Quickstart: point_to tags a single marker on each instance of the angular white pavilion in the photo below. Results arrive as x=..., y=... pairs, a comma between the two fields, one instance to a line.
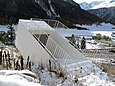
x=39, y=40
x=43, y=43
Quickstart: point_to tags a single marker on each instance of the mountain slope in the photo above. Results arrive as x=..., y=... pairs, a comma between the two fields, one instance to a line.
x=20, y=8
x=107, y=14
x=67, y=11
x=103, y=9
x=73, y=13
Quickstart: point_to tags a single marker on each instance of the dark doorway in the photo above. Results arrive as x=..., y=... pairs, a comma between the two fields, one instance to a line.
x=43, y=38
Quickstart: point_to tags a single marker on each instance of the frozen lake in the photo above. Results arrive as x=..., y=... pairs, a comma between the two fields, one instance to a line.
x=4, y=27
x=103, y=29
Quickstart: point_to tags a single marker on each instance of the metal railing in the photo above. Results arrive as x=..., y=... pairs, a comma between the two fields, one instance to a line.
x=87, y=52
x=55, y=24
x=98, y=56
x=53, y=49
x=58, y=52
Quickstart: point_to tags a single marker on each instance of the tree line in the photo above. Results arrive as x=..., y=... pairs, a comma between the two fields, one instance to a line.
x=80, y=44
x=4, y=20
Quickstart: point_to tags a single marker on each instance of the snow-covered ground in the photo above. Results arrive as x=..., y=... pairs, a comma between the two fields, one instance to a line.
x=92, y=46
x=94, y=80
x=76, y=74
x=18, y=78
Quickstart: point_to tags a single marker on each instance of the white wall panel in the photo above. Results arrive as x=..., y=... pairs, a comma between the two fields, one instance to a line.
x=29, y=46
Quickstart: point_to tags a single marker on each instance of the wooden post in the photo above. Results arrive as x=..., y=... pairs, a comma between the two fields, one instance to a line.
x=27, y=61
x=30, y=65
x=83, y=43
x=17, y=65
x=6, y=63
x=1, y=57
x=14, y=64
x=5, y=58
x=3, y=61
x=8, y=56
x=50, y=65
x=21, y=62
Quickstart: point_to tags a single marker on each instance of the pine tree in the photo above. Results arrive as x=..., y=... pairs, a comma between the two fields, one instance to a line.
x=83, y=43
x=73, y=40
x=10, y=35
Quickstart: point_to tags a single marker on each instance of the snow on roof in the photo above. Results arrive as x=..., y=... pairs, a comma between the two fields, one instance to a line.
x=35, y=24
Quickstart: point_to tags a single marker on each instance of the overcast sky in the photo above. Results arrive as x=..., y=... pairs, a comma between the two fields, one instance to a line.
x=80, y=1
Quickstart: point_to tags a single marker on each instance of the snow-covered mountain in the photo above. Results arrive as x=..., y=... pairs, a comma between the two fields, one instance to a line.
x=67, y=11
x=94, y=3
x=106, y=4
x=103, y=9
x=98, y=4
x=87, y=6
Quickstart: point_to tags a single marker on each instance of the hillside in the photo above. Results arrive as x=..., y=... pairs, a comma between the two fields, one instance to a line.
x=67, y=11
x=103, y=9
x=107, y=14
